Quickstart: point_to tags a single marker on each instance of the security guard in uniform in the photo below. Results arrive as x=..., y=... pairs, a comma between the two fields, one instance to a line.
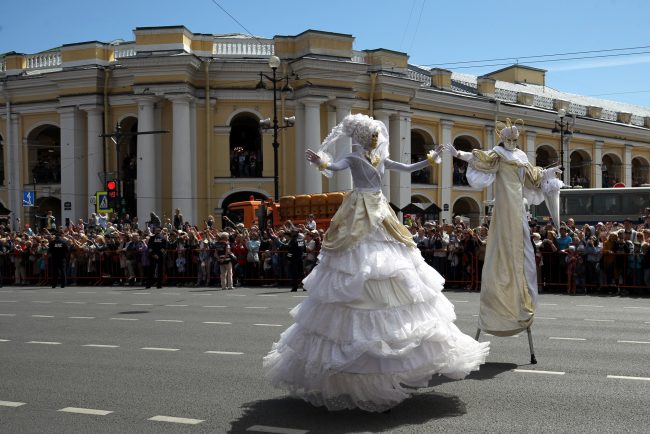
x=58, y=253
x=157, y=247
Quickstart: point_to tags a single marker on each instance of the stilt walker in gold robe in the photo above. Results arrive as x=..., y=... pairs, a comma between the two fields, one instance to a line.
x=509, y=282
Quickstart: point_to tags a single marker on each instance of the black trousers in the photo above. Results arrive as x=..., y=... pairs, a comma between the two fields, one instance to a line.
x=57, y=271
x=159, y=264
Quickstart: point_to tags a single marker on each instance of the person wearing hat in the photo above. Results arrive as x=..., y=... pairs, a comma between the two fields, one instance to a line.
x=224, y=257
x=58, y=253
x=376, y=324
x=509, y=280
x=157, y=248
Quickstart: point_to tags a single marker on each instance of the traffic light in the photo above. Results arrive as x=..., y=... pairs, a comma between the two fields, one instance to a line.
x=111, y=188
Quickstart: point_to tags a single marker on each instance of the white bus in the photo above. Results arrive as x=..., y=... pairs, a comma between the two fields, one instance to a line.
x=593, y=205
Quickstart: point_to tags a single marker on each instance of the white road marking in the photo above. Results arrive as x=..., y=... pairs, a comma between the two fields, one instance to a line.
x=544, y=317
x=275, y=429
x=214, y=306
x=255, y=307
x=176, y=305
x=217, y=322
x=548, y=304
x=8, y=301
x=57, y=292
x=5, y=340
x=453, y=301
x=87, y=292
x=268, y=325
x=647, y=322
x=599, y=320
x=6, y=292
x=44, y=343
x=74, y=302
x=636, y=307
x=623, y=377
x=81, y=317
x=100, y=346
x=475, y=315
x=159, y=349
x=7, y=314
x=171, y=293
x=141, y=293
x=588, y=305
x=236, y=295
x=107, y=303
x=169, y=320
x=141, y=304
x=533, y=371
x=633, y=342
x=233, y=353
x=11, y=404
x=267, y=295
x=567, y=339
x=43, y=316
x=92, y=411
x=124, y=319
x=41, y=301
x=171, y=419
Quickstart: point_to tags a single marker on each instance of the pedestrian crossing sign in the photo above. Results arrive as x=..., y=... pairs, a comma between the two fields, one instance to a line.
x=29, y=198
x=102, y=203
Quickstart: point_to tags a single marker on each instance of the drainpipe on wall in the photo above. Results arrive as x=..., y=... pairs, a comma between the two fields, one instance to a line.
x=371, y=97
x=208, y=132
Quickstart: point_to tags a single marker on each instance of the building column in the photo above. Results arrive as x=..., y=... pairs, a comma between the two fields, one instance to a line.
x=530, y=147
x=13, y=166
x=598, y=164
x=400, y=150
x=148, y=175
x=181, y=180
x=343, y=178
x=73, y=176
x=384, y=116
x=447, y=170
x=627, y=163
x=193, y=158
x=301, y=163
x=95, y=154
x=311, y=181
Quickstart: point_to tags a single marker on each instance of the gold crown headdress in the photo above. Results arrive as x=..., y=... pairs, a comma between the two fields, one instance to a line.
x=508, y=132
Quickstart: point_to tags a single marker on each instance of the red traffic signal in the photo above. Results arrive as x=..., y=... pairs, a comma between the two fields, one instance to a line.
x=111, y=188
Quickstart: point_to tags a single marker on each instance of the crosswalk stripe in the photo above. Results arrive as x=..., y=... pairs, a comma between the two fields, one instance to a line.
x=171, y=419
x=79, y=410
x=234, y=353
x=11, y=404
x=624, y=377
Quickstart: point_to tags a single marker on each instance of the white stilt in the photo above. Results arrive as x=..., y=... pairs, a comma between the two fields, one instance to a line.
x=533, y=360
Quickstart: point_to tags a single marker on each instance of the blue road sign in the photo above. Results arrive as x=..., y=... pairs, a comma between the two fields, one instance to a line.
x=29, y=198
x=102, y=203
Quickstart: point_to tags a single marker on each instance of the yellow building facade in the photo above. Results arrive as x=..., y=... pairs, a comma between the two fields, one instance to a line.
x=175, y=116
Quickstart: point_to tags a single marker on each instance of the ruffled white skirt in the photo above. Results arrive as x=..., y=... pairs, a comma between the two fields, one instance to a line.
x=375, y=323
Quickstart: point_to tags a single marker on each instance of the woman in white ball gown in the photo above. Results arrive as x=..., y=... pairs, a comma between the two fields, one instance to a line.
x=376, y=324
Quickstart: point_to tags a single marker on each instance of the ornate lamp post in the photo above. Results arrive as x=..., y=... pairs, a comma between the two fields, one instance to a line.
x=274, y=63
x=565, y=128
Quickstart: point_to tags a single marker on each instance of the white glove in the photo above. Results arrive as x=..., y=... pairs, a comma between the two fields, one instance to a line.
x=551, y=171
x=434, y=155
x=312, y=157
x=450, y=148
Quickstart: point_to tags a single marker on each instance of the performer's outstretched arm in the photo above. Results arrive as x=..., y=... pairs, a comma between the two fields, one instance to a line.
x=433, y=157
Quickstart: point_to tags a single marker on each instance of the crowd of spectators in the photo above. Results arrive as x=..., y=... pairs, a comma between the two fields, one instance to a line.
x=608, y=257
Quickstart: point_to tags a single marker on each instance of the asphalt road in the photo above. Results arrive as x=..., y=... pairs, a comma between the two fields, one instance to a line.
x=125, y=360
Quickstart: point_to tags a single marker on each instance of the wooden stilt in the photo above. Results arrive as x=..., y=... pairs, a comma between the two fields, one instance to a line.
x=533, y=360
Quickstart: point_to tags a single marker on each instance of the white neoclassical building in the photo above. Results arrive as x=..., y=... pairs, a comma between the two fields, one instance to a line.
x=174, y=117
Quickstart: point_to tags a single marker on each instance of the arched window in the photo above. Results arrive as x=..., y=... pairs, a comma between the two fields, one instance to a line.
x=580, y=169
x=546, y=156
x=640, y=169
x=44, y=155
x=421, y=144
x=467, y=144
x=245, y=146
x=611, y=169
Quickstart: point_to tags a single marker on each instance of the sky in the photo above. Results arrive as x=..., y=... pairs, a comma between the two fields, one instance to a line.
x=608, y=41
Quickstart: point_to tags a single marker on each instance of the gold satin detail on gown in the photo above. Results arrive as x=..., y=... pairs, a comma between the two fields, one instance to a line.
x=506, y=305
x=357, y=216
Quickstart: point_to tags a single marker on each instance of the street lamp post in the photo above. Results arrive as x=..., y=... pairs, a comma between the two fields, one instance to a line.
x=274, y=63
x=565, y=128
